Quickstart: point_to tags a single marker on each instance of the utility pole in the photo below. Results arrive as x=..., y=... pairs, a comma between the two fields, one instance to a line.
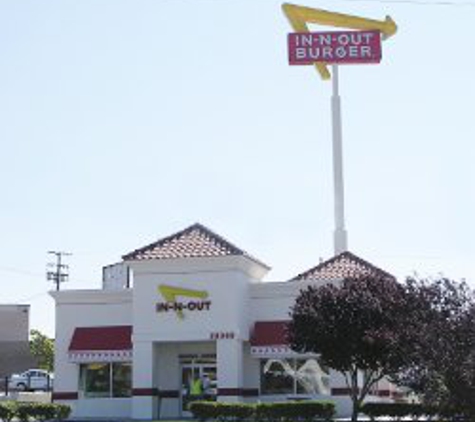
x=60, y=273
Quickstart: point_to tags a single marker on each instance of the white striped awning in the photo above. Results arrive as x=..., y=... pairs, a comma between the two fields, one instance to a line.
x=87, y=356
x=272, y=351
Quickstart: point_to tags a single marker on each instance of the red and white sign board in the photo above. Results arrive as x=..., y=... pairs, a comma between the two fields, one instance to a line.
x=339, y=47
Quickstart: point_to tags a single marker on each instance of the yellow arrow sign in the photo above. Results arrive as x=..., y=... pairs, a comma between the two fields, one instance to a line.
x=300, y=16
x=170, y=294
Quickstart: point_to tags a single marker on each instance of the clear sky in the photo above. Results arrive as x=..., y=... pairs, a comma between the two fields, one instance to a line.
x=124, y=121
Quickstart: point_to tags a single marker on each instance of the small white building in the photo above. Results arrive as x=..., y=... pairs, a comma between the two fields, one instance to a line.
x=186, y=317
x=15, y=354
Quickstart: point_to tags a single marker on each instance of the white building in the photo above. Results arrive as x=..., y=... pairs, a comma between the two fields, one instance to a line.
x=186, y=308
x=15, y=355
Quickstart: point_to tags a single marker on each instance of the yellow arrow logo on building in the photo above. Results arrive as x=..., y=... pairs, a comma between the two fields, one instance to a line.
x=171, y=293
x=300, y=16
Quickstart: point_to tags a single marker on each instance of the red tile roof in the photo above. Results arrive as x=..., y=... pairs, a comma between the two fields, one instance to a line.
x=196, y=241
x=102, y=338
x=269, y=333
x=344, y=265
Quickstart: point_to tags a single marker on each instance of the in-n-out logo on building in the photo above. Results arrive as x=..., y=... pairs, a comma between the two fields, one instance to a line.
x=171, y=294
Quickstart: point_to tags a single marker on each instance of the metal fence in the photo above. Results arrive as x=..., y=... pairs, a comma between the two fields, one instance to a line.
x=25, y=383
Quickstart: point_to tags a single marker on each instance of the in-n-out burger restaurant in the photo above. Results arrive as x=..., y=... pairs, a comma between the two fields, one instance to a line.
x=188, y=317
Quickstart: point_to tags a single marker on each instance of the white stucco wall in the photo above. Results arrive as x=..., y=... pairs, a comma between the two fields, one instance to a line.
x=238, y=299
x=15, y=320
x=226, y=283
x=225, y=279
x=86, y=308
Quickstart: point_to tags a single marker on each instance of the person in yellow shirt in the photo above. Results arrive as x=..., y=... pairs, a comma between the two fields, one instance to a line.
x=196, y=388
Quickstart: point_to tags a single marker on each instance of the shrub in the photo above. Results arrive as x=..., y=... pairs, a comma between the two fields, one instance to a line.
x=235, y=411
x=311, y=410
x=61, y=411
x=204, y=410
x=397, y=410
x=27, y=412
x=304, y=411
x=7, y=411
x=41, y=411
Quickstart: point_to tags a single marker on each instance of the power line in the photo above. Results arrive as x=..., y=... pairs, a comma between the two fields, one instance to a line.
x=60, y=273
x=417, y=2
x=20, y=271
x=447, y=3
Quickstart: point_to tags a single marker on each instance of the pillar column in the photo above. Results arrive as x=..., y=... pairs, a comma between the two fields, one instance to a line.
x=230, y=369
x=144, y=391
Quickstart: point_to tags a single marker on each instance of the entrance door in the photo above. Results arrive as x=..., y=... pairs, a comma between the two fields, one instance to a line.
x=198, y=382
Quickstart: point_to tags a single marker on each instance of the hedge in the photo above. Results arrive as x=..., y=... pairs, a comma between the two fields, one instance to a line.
x=7, y=411
x=205, y=410
x=26, y=412
x=397, y=410
x=304, y=411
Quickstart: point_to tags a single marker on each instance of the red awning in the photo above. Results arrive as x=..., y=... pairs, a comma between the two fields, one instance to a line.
x=269, y=333
x=269, y=339
x=101, y=338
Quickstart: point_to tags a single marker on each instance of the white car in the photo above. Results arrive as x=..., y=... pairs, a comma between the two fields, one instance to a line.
x=33, y=379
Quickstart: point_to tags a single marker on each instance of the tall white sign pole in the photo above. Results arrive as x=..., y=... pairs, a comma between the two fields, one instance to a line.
x=340, y=238
x=343, y=47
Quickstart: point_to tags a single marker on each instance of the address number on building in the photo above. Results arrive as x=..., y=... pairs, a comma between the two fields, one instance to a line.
x=222, y=335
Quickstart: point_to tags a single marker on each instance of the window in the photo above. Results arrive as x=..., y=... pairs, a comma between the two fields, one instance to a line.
x=294, y=376
x=275, y=377
x=122, y=379
x=106, y=379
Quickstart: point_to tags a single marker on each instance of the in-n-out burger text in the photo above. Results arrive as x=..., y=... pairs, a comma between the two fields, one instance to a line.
x=306, y=48
x=192, y=305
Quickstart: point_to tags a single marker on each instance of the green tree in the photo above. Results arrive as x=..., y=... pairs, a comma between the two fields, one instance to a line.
x=441, y=357
x=355, y=327
x=42, y=349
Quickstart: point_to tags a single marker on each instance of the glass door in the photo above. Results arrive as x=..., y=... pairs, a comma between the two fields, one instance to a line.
x=198, y=382
x=188, y=378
